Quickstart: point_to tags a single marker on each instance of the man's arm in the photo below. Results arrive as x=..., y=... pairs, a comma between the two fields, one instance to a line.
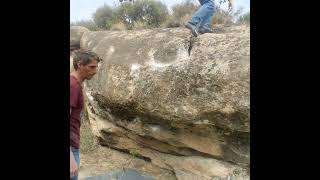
x=73, y=163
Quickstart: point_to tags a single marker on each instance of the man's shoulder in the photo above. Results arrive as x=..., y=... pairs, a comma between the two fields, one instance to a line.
x=74, y=83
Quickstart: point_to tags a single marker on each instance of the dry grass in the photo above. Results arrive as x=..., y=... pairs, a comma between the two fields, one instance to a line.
x=88, y=141
x=118, y=27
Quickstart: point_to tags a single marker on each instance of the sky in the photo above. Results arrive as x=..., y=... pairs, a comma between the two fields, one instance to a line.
x=84, y=9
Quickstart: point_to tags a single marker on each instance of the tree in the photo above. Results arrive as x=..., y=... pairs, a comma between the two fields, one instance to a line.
x=151, y=12
x=125, y=15
x=147, y=13
x=104, y=17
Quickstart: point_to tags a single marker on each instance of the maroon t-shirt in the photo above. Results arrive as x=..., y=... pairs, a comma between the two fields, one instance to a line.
x=76, y=105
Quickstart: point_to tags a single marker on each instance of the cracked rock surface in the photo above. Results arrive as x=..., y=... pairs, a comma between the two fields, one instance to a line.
x=178, y=102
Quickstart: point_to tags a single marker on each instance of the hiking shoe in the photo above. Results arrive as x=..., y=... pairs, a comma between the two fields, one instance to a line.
x=193, y=29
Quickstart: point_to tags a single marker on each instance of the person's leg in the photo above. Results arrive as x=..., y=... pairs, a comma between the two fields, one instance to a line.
x=77, y=158
x=205, y=26
x=203, y=14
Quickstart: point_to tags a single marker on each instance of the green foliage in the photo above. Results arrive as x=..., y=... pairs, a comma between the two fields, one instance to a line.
x=181, y=13
x=151, y=12
x=104, y=17
x=141, y=14
x=86, y=23
x=134, y=152
x=245, y=18
x=124, y=14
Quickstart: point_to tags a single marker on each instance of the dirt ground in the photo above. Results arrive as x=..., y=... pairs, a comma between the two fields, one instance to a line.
x=103, y=159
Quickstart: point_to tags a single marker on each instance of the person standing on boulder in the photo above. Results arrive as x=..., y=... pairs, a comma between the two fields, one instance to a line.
x=85, y=67
x=200, y=22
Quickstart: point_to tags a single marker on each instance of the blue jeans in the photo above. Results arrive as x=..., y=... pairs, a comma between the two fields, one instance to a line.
x=77, y=158
x=202, y=17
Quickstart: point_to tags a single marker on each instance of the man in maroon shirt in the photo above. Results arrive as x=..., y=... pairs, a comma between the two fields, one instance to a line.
x=85, y=67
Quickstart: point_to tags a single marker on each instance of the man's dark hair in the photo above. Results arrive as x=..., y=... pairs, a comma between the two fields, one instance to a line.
x=83, y=57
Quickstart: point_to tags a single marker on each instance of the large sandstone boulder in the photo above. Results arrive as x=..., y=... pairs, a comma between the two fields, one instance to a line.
x=181, y=103
x=76, y=33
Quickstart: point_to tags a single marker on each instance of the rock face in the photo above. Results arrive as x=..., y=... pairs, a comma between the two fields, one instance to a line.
x=76, y=33
x=181, y=103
